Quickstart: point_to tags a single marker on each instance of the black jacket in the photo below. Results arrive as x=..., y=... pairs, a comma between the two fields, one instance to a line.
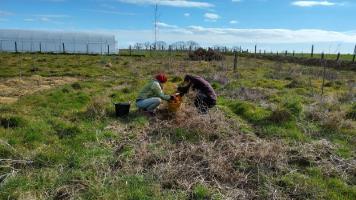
x=201, y=85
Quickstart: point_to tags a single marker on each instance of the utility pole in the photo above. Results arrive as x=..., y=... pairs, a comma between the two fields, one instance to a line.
x=354, y=57
x=156, y=27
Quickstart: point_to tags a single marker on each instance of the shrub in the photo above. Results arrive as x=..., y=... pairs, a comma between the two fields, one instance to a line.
x=293, y=105
x=207, y=55
x=76, y=86
x=280, y=115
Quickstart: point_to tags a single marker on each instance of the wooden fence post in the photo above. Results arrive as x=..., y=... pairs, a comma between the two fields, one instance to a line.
x=40, y=47
x=255, y=50
x=286, y=53
x=87, y=48
x=16, y=47
x=312, y=52
x=338, y=57
x=130, y=50
x=293, y=53
x=323, y=64
x=108, y=49
x=235, y=61
x=64, y=48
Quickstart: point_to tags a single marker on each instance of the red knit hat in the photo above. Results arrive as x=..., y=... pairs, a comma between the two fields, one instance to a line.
x=162, y=78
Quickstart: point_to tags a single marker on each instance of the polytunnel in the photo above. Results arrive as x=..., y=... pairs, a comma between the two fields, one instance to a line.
x=56, y=42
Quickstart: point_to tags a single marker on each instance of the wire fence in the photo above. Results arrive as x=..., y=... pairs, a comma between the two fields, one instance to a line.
x=56, y=42
x=83, y=47
x=256, y=51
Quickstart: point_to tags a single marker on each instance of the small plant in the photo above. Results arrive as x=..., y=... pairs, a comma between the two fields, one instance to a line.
x=296, y=83
x=352, y=113
x=126, y=90
x=280, y=115
x=97, y=108
x=76, y=86
x=201, y=192
x=65, y=130
x=249, y=111
x=294, y=105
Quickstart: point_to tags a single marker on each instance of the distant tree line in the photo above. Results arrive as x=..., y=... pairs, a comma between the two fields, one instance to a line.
x=161, y=45
x=180, y=46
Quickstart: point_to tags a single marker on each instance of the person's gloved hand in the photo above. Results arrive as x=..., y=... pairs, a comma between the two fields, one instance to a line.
x=180, y=94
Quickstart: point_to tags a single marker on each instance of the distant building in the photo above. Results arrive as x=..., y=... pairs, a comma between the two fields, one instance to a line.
x=56, y=42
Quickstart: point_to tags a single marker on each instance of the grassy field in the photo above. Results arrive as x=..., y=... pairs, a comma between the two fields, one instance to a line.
x=271, y=136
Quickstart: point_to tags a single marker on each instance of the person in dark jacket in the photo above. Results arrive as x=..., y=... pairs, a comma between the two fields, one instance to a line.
x=206, y=96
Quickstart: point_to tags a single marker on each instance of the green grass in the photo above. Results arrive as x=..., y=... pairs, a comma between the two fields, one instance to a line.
x=78, y=156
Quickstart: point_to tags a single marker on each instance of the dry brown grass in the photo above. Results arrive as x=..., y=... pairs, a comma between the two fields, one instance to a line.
x=187, y=149
x=327, y=117
x=321, y=153
x=13, y=88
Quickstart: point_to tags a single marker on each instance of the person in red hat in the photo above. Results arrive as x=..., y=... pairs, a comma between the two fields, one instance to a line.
x=151, y=95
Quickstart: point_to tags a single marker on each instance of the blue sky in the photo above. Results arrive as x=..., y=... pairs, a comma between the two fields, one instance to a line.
x=273, y=24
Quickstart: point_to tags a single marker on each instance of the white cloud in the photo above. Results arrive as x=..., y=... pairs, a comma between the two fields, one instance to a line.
x=186, y=14
x=45, y=19
x=230, y=36
x=233, y=22
x=52, y=16
x=109, y=12
x=29, y=20
x=314, y=3
x=164, y=25
x=211, y=17
x=173, y=3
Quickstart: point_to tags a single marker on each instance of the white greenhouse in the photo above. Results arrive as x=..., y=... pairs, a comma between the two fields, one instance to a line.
x=56, y=42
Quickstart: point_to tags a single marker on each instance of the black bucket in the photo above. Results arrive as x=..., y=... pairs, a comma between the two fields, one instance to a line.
x=122, y=109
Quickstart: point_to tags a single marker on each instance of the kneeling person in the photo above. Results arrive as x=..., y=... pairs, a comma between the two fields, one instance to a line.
x=206, y=96
x=152, y=95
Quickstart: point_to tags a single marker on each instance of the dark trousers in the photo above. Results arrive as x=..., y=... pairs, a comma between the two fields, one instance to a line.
x=203, y=103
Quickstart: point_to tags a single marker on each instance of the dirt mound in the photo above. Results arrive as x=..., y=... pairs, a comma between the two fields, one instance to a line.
x=13, y=88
